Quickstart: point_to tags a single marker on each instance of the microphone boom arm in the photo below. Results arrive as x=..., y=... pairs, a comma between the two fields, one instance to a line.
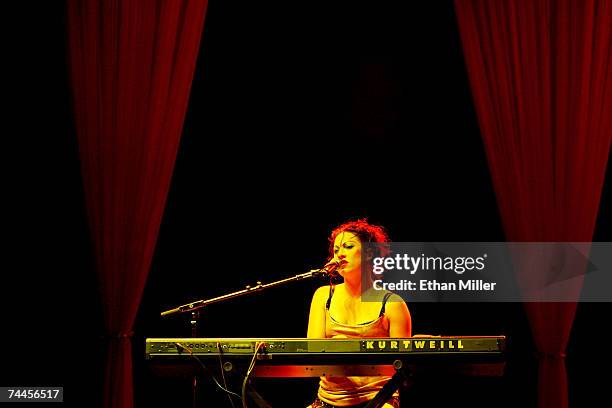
x=190, y=307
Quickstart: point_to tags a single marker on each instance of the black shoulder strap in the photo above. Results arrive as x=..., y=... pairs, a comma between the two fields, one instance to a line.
x=331, y=293
x=382, y=309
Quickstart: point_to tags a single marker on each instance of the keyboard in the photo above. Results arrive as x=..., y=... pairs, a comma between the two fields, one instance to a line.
x=300, y=357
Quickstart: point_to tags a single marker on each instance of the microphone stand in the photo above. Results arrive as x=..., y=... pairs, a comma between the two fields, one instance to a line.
x=195, y=315
x=194, y=307
x=198, y=304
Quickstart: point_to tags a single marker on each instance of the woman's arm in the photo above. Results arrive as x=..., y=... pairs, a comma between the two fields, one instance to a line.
x=400, y=322
x=316, y=319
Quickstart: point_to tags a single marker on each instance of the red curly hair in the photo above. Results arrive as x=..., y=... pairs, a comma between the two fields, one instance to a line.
x=364, y=230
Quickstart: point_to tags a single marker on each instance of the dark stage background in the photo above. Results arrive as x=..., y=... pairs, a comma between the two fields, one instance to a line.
x=302, y=115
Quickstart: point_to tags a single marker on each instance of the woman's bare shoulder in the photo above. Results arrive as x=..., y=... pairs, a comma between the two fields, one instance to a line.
x=395, y=298
x=320, y=293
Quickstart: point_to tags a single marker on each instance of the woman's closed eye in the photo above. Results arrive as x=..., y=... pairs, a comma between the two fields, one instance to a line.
x=345, y=247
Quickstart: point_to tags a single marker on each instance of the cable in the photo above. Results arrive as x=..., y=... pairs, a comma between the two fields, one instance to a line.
x=258, y=345
x=190, y=351
x=223, y=373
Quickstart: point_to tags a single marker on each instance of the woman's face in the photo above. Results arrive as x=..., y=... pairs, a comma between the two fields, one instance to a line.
x=347, y=249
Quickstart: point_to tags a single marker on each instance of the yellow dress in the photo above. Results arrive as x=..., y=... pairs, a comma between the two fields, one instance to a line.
x=347, y=391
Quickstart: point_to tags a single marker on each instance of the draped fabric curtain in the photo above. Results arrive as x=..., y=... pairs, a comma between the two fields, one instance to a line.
x=131, y=65
x=541, y=78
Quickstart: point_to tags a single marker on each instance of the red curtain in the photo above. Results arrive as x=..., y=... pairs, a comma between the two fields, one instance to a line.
x=541, y=78
x=131, y=65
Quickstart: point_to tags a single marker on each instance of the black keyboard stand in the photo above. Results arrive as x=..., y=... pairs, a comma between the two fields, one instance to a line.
x=400, y=379
x=256, y=397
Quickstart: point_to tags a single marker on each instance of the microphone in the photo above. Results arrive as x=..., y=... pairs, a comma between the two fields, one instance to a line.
x=331, y=266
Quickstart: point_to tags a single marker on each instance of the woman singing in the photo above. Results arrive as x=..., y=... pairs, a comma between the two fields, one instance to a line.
x=337, y=311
